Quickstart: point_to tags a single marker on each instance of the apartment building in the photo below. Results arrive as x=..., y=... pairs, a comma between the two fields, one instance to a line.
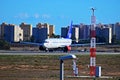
x=27, y=31
x=50, y=28
x=13, y=33
x=40, y=34
x=2, y=30
x=104, y=34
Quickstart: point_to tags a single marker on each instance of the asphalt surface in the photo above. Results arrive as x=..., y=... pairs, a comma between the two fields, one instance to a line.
x=8, y=52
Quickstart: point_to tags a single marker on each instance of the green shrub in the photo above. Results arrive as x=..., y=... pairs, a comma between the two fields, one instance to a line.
x=4, y=45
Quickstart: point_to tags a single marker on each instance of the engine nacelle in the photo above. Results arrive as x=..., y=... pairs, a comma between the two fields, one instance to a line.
x=67, y=48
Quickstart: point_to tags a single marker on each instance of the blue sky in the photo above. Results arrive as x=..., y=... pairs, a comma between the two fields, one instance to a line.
x=58, y=12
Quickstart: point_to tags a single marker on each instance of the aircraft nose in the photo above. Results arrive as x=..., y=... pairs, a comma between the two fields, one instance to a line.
x=45, y=44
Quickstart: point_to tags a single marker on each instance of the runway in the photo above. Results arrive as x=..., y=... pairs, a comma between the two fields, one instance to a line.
x=9, y=52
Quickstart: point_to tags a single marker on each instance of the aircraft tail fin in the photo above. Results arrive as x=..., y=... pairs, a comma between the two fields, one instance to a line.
x=69, y=34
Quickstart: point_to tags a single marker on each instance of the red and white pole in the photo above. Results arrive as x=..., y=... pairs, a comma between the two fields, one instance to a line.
x=93, y=45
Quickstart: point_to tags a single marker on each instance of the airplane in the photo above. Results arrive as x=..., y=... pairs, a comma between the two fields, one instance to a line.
x=64, y=44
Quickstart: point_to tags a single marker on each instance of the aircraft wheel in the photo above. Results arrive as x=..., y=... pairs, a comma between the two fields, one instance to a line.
x=46, y=50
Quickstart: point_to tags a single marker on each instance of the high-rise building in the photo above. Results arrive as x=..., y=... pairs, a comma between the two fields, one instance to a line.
x=104, y=34
x=42, y=25
x=27, y=31
x=13, y=33
x=117, y=30
x=75, y=34
x=64, y=31
x=113, y=28
x=108, y=34
x=2, y=30
x=50, y=28
x=40, y=34
x=84, y=32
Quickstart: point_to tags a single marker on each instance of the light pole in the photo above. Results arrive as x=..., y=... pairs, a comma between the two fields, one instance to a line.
x=62, y=58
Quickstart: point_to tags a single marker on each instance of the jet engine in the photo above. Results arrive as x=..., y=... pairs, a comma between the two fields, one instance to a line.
x=67, y=48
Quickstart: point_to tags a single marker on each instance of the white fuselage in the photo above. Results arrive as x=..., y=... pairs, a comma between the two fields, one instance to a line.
x=57, y=42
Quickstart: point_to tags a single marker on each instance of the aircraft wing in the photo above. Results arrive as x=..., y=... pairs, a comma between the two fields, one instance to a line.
x=87, y=44
x=80, y=45
x=31, y=43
